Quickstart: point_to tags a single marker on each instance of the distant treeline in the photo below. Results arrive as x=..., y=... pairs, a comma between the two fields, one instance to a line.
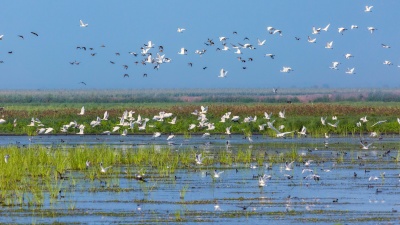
x=199, y=95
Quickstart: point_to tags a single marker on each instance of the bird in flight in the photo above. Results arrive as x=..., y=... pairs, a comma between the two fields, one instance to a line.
x=83, y=24
x=82, y=83
x=222, y=73
x=34, y=33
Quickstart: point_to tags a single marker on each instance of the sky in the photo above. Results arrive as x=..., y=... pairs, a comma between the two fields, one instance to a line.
x=43, y=61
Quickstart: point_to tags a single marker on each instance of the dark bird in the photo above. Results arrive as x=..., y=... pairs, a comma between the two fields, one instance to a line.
x=246, y=38
x=245, y=206
x=139, y=178
x=84, y=48
x=21, y=36
x=145, y=75
x=125, y=66
x=335, y=200
x=112, y=62
x=204, y=67
x=117, y=54
x=91, y=49
x=244, y=67
x=297, y=38
x=34, y=33
x=160, y=48
x=234, y=32
x=190, y=64
x=133, y=53
x=126, y=75
x=82, y=82
x=10, y=52
x=93, y=54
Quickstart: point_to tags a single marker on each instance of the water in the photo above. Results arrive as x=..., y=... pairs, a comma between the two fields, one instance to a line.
x=338, y=197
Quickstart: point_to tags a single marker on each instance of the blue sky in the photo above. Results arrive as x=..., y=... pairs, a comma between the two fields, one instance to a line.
x=123, y=26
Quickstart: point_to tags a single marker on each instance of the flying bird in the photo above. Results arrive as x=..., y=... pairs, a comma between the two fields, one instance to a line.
x=34, y=33
x=83, y=24
x=222, y=73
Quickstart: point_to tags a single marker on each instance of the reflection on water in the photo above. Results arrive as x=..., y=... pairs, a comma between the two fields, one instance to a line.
x=343, y=192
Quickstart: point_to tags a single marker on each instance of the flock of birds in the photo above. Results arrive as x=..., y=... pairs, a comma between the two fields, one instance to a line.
x=129, y=124
x=155, y=56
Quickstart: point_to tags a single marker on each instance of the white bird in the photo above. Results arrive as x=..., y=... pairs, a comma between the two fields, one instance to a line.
x=267, y=116
x=222, y=73
x=326, y=136
x=398, y=120
x=289, y=166
x=365, y=146
x=235, y=119
x=341, y=30
x=270, y=29
x=180, y=30
x=217, y=174
x=102, y=169
x=277, y=32
x=379, y=122
x=310, y=40
x=282, y=114
x=353, y=27
x=238, y=52
x=385, y=46
x=228, y=130
x=106, y=115
x=350, y=71
x=156, y=134
x=323, y=120
x=81, y=130
x=183, y=51
x=262, y=180
x=326, y=28
x=1, y=37
x=373, y=178
x=83, y=24
x=358, y=124
x=371, y=29
x=82, y=112
x=334, y=65
x=387, y=62
x=192, y=126
x=6, y=157
x=173, y=121
x=329, y=45
x=364, y=119
x=262, y=127
x=170, y=137
x=303, y=131
x=115, y=128
x=261, y=43
x=348, y=55
x=124, y=133
x=286, y=69
x=48, y=130
x=198, y=159
x=3, y=121
x=368, y=8
x=315, y=30
x=334, y=125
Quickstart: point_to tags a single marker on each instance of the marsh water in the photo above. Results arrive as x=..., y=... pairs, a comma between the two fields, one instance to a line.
x=355, y=185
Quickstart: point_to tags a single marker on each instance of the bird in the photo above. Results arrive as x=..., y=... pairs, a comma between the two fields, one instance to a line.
x=82, y=83
x=217, y=174
x=387, y=62
x=34, y=33
x=286, y=69
x=262, y=180
x=272, y=56
x=311, y=40
x=183, y=51
x=334, y=65
x=222, y=73
x=278, y=133
x=82, y=24
x=82, y=112
x=21, y=36
x=341, y=30
x=326, y=28
x=371, y=29
x=6, y=157
x=303, y=131
x=198, y=159
x=1, y=37
x=348, y=55
x=379, y=122
x=353, y=27
x=323, y=120
x=282, y=114
x=329, y=45
x=368, y=8
x=289, y=166
x=385, y=46
x=260, y=43
x=365, y=146
x=350, y=71
x=180, y=30
x=364, y=119
x=170, y=137
x=102, y=169
x=334, y=125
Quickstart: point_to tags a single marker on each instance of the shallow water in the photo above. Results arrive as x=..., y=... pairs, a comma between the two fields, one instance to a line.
x=117, y=198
